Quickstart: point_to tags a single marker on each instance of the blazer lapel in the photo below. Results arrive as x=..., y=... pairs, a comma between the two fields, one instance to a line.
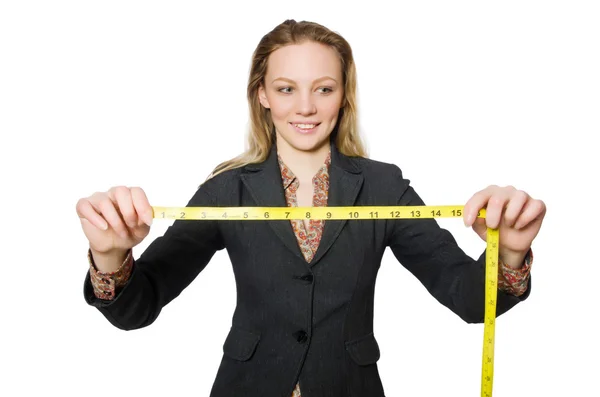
x=263, y=181
x=345, y=182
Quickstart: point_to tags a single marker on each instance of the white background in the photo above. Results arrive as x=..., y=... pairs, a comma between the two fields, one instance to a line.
x=152, y=94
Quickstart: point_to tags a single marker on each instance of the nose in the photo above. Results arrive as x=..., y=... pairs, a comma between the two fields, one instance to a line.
x=306, y=104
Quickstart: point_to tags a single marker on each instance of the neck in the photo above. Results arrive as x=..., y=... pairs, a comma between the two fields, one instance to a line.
x=304, y=164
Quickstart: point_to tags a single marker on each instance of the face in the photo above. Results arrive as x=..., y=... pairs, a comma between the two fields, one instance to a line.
x=303, y=88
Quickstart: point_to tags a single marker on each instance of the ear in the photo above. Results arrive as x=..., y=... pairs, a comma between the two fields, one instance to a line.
x=262, y=97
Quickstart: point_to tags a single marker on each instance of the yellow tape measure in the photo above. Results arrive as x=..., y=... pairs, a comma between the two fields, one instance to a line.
x=369, y=212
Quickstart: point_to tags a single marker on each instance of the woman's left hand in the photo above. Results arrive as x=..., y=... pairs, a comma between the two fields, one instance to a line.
x=517, y=216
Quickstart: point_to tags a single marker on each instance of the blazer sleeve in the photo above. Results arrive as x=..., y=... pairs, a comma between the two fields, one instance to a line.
x=167, y=266
x=431, y=254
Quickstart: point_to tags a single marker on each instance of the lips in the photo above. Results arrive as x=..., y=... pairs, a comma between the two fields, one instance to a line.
x=301, y=127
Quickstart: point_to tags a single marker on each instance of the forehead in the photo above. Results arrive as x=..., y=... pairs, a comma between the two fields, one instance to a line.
x=304, y=62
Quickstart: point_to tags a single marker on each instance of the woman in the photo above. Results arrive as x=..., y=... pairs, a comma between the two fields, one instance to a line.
x=303, y=324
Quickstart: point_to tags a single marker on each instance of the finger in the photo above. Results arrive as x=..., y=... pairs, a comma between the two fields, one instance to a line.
x=533, y=209
x=480, y=228
x=109, y=212
x=125, y=205
x=86, y=211
x=142, y=205
x=515, y=205
x=495, y=208
x=477, y=202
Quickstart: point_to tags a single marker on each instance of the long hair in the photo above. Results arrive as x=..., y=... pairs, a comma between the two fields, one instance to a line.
x=261, y=134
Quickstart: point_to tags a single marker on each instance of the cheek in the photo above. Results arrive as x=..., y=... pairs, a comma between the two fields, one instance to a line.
x=332, y=110
x=280, y=108
x=331, y=106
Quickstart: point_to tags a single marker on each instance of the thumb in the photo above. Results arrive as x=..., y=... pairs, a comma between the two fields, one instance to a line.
x=480, y=227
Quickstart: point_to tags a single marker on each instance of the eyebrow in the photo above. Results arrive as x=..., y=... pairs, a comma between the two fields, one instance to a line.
x=317, y=80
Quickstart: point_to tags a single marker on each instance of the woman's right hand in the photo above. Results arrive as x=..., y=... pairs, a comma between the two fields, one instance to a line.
x=116, y=220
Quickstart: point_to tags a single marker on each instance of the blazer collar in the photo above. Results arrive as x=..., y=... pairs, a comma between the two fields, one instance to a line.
x=263, y=181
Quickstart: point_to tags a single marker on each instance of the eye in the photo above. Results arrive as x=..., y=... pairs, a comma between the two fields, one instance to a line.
x=284, y=88
x=326, y=88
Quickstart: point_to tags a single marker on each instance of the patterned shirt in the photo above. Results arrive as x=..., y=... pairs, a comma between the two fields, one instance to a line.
x=107, y=285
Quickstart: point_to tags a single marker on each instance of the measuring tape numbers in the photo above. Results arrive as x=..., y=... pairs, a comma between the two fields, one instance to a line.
x=362, y=213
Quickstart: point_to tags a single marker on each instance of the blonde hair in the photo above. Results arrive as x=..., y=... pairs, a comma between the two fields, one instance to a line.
x=261, y=133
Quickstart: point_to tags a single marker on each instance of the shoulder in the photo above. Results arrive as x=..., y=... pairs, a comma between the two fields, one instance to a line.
x=379, y=170
x=382, y=176
x=369, y=165
x=223, y=181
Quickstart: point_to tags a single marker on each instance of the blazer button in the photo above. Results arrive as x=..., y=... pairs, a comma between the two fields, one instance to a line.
x=306, y=277
x=300, y=336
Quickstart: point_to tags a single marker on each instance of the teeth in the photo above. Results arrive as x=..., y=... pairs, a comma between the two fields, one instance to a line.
x=305, y=126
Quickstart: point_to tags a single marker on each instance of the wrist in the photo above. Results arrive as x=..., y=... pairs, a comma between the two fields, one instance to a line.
x=110, y=261
x=513, y=259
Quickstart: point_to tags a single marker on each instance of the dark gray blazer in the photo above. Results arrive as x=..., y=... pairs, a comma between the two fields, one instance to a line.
x=294, y=320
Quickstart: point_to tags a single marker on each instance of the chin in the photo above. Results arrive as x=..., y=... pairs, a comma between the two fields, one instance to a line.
x=309, y=144
x=304, y=142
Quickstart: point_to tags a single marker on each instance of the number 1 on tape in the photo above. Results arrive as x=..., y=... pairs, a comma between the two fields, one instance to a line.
x=370, y=212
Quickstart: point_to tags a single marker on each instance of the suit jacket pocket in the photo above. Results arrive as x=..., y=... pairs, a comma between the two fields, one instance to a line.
x=240, y=343
x=364, y=350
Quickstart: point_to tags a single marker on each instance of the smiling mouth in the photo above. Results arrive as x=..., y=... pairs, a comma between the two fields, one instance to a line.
x=305, y=128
